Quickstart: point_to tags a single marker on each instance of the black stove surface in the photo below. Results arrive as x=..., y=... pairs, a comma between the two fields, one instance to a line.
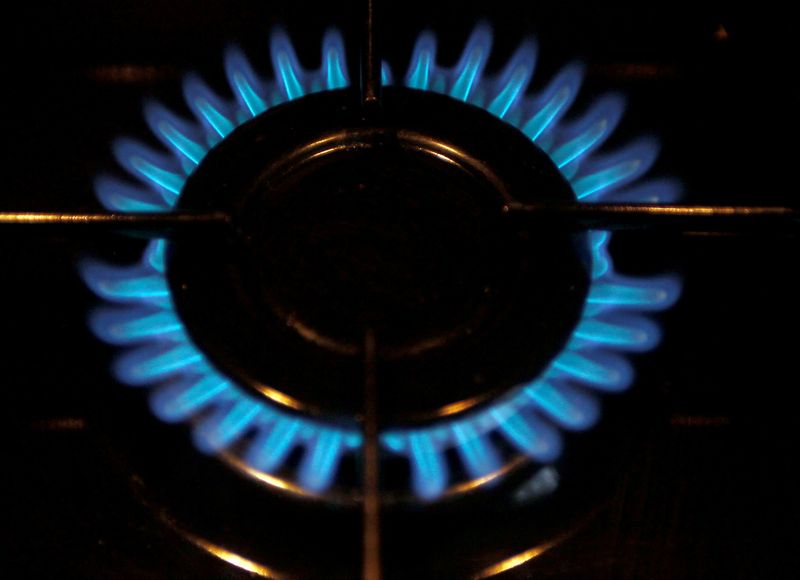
x=708, y=484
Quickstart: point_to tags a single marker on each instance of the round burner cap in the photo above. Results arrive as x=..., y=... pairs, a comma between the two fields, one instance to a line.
x=392, y=226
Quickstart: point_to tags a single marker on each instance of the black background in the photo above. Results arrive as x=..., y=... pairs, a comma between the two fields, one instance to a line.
x=714, y=492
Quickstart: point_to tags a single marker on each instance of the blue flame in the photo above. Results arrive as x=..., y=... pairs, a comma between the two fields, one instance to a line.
x=184, y=385
x=613, y=320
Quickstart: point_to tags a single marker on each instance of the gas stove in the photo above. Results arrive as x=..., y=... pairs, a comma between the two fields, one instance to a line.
x=688, y=473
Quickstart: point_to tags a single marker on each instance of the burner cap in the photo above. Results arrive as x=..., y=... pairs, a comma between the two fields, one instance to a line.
x=391, y=225
x=381, y=234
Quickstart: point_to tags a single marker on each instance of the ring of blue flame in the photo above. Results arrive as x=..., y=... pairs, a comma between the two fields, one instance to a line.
x=158, y=353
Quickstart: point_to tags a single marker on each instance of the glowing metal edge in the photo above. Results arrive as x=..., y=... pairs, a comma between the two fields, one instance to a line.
x=521, y=558
x=233, y=558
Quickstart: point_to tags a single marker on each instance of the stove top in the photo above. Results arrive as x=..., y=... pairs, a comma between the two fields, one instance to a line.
x=688, y=473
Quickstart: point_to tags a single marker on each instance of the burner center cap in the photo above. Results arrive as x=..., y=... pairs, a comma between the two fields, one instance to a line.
x=386, y=235
x=394, y=226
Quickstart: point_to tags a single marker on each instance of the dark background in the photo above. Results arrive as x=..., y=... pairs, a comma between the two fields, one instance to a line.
x=713, y=491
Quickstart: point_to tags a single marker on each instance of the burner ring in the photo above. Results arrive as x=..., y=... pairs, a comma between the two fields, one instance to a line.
x=336, y=216
x=158, y=353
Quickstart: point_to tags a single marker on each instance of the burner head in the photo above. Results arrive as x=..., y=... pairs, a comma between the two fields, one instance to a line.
x=392, y=225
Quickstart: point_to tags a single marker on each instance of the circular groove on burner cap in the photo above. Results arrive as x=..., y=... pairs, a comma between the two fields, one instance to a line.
x=395, y=227
x=389, y=236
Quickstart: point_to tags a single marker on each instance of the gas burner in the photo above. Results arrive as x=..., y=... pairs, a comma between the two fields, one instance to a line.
x=394, y=227
x=490, y=339
x=674, y=478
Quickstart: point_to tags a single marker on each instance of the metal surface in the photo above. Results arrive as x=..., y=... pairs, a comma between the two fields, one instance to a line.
x=766, y=220
x=151, y=225
x=371, y=489
x=370, y=69
x=663, y=218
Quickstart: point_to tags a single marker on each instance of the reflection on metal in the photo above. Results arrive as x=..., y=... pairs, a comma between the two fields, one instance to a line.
x=355, y=497
x=458, y=407
x=232, y=558
x=266, y=478
x=773, y=220
x=212, y=548
x=519, y=559
x=684, y=219
x=280, y=397
x=140, y=224
x=487, y=479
